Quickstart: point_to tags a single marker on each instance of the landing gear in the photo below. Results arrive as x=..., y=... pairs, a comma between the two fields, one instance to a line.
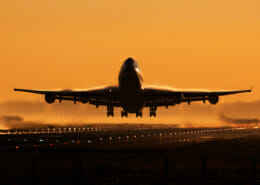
x=124, y=113
x=139, y=114
x=153, y=111
x=110, y=111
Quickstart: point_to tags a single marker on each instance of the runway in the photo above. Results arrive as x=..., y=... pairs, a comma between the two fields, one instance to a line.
x=129, y=154
x=107, y=136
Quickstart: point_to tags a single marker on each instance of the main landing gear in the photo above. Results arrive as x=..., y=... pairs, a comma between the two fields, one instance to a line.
x=139, y=114
x=153, y=111
x=110, y=111
x=124, y=113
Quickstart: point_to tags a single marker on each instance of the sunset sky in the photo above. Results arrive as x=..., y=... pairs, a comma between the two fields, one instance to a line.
x=49, y=44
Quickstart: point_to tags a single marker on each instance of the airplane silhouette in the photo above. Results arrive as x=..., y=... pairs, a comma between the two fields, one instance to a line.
x=131, y=95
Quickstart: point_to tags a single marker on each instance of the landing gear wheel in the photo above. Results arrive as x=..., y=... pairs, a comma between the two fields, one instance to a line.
x=139, y=114
x=124, y=113
x=153, y=111
x=110, y=111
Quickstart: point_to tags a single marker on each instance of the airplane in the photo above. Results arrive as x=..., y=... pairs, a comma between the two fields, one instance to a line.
x=131, y=95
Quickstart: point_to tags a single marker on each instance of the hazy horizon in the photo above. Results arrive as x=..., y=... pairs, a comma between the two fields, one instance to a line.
x=195, y=115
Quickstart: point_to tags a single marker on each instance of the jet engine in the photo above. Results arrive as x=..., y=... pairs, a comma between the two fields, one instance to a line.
x=49, y=98
x=213, y=99
x=178, y=99
x=84, y=100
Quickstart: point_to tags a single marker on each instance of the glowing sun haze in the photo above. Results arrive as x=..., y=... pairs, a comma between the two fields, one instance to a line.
x=49, y=44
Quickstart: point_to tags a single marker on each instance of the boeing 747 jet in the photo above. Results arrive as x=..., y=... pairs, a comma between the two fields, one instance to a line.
x=131, y=95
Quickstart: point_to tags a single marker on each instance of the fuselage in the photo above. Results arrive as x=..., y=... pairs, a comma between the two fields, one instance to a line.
x=131, y=85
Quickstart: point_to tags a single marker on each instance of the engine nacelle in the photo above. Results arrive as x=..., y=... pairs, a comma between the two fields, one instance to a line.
x=49, y=98
x=213, y=99
x=178, y=99
x=84, y=100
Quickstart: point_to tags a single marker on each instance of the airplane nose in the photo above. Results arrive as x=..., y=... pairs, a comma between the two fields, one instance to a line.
x=129, y=60
x=129, y=64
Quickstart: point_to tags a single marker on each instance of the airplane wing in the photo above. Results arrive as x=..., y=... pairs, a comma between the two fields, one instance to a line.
x=98, y=96
x=168, y=96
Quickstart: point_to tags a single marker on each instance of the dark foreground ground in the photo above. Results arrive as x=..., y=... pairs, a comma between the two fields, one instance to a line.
x=146, y=156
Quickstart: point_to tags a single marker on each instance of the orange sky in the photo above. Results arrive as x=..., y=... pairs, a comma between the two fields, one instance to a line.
x=50, y=44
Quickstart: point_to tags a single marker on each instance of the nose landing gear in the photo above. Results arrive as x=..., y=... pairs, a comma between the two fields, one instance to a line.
x=153, y=111
x=139, y=114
